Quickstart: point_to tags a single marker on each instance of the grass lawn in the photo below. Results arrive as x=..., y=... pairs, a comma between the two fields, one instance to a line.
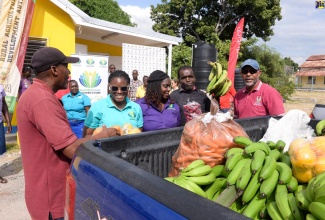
x=12, y=148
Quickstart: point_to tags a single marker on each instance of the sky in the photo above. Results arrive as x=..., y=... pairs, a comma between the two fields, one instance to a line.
x=298, y=35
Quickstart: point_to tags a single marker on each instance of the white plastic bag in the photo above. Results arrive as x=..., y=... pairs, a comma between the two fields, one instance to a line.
x=292, y=125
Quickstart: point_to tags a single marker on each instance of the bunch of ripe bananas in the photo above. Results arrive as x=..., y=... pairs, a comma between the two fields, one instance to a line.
x=219, y=81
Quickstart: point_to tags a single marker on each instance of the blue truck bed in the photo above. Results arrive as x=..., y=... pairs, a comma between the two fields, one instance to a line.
x=122, y=178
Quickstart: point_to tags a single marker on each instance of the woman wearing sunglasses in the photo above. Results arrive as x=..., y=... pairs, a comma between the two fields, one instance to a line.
x=256, y=98
x=116, y=108
x=159, y=111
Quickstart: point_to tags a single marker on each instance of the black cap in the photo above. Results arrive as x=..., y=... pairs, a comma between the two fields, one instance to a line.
x=46, y=57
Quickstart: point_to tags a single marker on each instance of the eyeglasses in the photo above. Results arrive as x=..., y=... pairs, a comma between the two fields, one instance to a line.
x=113, y=68
x=249, y=70
x=115, y=88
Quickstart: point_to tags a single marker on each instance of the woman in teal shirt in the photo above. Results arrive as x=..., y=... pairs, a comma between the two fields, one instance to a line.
x=116, y=108
x=76, y=105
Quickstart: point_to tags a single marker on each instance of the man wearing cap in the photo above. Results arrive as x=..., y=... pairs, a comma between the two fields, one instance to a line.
x=46, y=139
x=256, y=98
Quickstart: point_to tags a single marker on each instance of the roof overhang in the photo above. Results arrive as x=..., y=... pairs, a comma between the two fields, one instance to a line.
x=101, y=31
x=311, y=73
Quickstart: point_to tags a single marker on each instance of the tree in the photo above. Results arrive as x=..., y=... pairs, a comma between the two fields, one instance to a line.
x=198, y=20
x=107, y=10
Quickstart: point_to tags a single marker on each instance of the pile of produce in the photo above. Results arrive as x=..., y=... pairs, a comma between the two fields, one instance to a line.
x=257, y=181
x=219, y=82
x=127, y=128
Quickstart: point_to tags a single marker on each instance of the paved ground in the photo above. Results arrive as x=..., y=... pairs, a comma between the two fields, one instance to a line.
x=12, y=202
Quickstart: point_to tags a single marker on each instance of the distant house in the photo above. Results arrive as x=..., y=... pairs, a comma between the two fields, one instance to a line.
x=311, y=74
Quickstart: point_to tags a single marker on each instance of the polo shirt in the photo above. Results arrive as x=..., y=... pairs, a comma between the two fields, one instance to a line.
x=43, y=131
x=263, y=100
x=182, y=97
x=154, y=119
x=141, y=92
x=104, y=112
x=75, y=105
x=226, y=100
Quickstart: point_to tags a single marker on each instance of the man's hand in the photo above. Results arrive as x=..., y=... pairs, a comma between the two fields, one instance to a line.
x=107, y=132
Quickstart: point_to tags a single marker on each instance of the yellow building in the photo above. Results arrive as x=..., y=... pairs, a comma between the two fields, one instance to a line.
x=60, y=24
x=311, y=74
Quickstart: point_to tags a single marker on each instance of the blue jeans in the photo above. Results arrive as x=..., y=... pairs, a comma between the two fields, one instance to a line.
x=2, y=139
x=77, y=127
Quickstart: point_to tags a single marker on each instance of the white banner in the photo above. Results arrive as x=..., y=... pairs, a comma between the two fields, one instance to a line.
x=143, y=58
x=91, y=73
x=12, y=20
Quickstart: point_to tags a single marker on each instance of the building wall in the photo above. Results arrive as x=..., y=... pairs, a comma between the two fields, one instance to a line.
x=50, y=22
x=95, y=47
x=318, y=84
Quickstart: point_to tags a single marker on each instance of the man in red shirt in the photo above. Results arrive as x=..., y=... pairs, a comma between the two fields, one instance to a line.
x=46, y=140
x=256, y=98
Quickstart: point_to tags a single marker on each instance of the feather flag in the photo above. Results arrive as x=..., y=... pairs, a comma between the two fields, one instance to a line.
x=234, y=49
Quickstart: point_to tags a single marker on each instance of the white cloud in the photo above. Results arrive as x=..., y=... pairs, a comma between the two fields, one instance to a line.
x=301, y=32
x=140, y=16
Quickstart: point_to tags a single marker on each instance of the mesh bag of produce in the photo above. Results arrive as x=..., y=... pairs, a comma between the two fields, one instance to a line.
x=192, y=110
x=307, y=156
x=206, y=137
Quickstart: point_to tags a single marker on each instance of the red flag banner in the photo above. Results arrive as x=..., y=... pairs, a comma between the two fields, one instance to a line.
x=15, y=20
x=234, y=49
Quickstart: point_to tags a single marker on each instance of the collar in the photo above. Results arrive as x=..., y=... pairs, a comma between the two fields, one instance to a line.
x=110, y=103
x=183, y=90
x=42, y=84
x=256, y=88
x=70, y=95
x=143, y=101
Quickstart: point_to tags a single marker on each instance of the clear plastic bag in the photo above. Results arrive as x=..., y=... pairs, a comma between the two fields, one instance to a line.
x=206, y=137
x=307, y=156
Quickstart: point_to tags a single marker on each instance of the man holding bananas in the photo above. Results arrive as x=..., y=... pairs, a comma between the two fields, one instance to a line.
x=256, y=98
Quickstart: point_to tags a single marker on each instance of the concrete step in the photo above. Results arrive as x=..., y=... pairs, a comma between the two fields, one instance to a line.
x=11, y=138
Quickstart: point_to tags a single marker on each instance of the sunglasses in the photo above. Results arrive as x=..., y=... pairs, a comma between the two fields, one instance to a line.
x=115, y=88
x=249, y=70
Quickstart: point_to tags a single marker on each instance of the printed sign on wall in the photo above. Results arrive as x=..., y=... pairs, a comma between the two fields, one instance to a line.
x=91, y=73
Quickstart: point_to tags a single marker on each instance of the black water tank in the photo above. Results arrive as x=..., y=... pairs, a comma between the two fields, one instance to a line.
x=202, y=53
x=239, y=83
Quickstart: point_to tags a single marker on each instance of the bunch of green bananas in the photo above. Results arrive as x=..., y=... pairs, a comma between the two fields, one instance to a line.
x=219, y=81
x=312, y=197
x=320, y=128
x=195, y=175
x=262, y=172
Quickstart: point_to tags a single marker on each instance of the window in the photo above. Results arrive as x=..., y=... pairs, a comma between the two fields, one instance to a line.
x=311, y=80
x=34, y=43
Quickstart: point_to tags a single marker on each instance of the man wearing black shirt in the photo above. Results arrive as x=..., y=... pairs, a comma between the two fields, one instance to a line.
x=188, y=92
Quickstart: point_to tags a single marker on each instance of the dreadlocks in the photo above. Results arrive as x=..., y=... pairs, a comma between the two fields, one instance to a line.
x=119, y=74
x=153, y=93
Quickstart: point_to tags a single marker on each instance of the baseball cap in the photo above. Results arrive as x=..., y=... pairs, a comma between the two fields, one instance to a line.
x=250, y=62
x=46, y=57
